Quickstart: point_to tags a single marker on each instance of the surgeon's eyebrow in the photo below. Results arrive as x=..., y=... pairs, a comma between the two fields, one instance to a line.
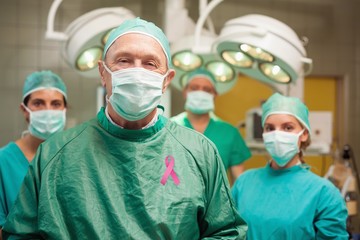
x=129, y=54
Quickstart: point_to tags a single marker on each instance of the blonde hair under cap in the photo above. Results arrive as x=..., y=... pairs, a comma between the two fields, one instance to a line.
x=138, y=25
x=279, y=104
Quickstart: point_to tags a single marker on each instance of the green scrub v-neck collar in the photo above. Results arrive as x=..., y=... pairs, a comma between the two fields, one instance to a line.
x=188, y=124
x=127, y=133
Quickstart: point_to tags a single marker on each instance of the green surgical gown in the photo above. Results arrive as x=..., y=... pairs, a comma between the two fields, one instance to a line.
x=13, y=168
x=227, y=139
x=98, y=181
x=292, y=203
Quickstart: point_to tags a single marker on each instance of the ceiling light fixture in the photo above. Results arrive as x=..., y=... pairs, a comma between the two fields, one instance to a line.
x=263, y=48
x=84, y=38
x=194, y=51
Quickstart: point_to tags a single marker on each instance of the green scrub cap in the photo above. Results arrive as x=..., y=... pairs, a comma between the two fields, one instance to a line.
x=200, y=72
x=43, y=80
x=279, y=104
x=138, y=25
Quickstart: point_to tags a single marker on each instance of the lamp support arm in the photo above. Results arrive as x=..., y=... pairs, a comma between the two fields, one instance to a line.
x=50, y=33
x=209, y=22
x=200, y=23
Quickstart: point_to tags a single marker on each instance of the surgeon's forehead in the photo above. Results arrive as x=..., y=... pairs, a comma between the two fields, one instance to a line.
x=200, y=81
x=137, y=43
x=281, y=118
x=46, y=93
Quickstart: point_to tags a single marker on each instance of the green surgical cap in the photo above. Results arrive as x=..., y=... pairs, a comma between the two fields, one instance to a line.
x=279, y=104
x=138, y=25
x=43, y=80
x=200, y=72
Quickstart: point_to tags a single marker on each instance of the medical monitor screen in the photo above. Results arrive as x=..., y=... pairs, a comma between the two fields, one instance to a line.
x=258, y=130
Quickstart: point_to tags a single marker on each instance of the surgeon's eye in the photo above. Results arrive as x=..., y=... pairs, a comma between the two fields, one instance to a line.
x=37, y=103
x=194, y=88
x=268, y=128
x=208, y=90
x=123, y=62
x=57, y=104
x=288, y=128
x=150, y=65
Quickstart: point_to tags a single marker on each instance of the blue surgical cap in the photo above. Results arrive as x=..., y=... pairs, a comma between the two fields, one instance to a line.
x=279, y=104
x=200, y=72
x=43, y=80
x=138, y=25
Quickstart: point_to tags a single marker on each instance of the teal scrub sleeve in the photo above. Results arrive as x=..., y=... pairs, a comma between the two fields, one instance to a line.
x=2, y=203
x=26, y=207
x=330, y=220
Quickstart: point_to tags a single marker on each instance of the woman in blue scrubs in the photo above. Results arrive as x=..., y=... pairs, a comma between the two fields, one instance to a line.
x=285, y=200
x=44, y=107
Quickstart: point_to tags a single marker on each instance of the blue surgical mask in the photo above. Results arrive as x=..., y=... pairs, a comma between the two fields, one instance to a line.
x=199, y=102
x=282, y=146
x=44, y=123
x=136, y=92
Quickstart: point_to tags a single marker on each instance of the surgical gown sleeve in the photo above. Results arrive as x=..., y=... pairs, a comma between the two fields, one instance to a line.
x=330, y=217
x=217, y=222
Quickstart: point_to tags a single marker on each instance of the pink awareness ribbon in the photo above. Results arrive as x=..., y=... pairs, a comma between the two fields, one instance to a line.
x=169, y=171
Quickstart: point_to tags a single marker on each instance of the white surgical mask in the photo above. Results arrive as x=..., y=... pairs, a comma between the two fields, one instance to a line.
x=136, y=92
x=44, y=123
x=282, y=146
x=199, y=102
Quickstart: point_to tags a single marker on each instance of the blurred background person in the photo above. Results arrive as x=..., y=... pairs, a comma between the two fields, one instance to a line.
x=199, y=91
x=44, y=107
x=285, y=200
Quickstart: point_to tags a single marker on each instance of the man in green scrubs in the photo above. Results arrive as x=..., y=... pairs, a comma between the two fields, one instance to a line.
x=129, y=173
x=199, y=90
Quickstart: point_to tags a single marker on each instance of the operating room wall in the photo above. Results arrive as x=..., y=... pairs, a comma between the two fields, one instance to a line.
x=331, y=26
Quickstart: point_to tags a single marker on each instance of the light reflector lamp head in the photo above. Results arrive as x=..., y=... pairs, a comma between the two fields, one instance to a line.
x=185, y=60
x=263, y=48
x=87, y=35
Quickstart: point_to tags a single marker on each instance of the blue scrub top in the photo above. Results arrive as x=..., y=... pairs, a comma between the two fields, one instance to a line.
x=13, y=168
x=291, y=203
x=227, y=139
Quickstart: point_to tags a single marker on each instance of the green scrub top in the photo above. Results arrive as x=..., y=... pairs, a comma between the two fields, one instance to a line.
x=99, y=181
x=227, y=139
x=13, y=168
x=292, y=203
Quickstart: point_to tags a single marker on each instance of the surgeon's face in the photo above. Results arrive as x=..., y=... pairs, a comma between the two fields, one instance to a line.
x=200, y=83
x=135, y=50
x=45, y=99
x=286, y=123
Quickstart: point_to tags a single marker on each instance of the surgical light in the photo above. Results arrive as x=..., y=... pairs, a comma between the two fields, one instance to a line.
x=106, y=36
x=223, y=72
x=87, y=60
x=186, y=60
x=237, y=59
x=263, y=48
x=275, y=72
x=256, y=52
x=84, y=38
